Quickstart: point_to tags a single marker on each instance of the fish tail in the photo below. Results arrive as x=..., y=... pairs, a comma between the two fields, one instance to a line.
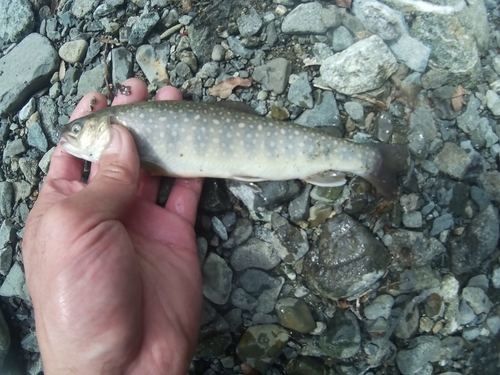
x=392, y=160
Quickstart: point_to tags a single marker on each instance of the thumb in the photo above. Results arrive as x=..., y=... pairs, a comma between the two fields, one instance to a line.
x=115, y=185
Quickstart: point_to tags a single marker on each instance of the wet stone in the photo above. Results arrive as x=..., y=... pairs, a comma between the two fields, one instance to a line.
x=442, y=223
x=422, y=132
x=342, y=338
x=30, y=343
x=493, y=324
x=73, y=51
x=408, y=320
x=495, y=278
x=467, y=315
x=243, y=300
x=304, y=19
x=260, y=318
x=290, y=242
x=341, y=39
x=242, y=232
x=295, y=314
x=354, y=110
x=412, y=219
x=299, y=207
x=255, y=281
x=239, y=49
x=217, y=279
x=343, y=252
x=267, y=299
x=14, y=148
x=491, y=185
x=319, y=213
x=305, y=365
x=254, y=254
x=326, y=194
x=324, y=113
x=421, y=350
x=261, y=345
x=477, y=300
x=379, y=307
x=479, y=281
x=433, y=305
x=29, y=168
x=219, y=228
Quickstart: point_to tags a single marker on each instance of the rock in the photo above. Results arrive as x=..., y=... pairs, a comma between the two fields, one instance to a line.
x=243, y=300
x=217, y=279
x=422, y=132
x=411, y=52
x=491, y=185
x=261, y=345
x=295, y=314
x=218, y=53
x=453, y=161
x=442, y=223
x=267, y=299
x=274, y=75
x=29, y=168
x=421, y=350
x=254, y=253
x=91, y=80
x=493, y=102
x=20, y=77
x=324, y=113
x=81, y=8
x=74, y=51
x=28, y=109
x=256, y=281
x=300, y=92
x=380, y=307
x=16, y=20
x=14, y=284
x=342, y=338
x=412, y=219
x=121, y=64
x=249, y=24
x=153, y=62
x=305, y=365
x=380, y=19
x=477, y=300
x=345, y=260
x=142, y=27
x=49, y=118
x=478, y=242
x=30, y=343
x=240, y=234
x=219, y=228
x=321, y=51
x=238, y=48
x=354, y=110
x=6, y=199
x=7, y=233
x=364, y=66
x=478, y=129
x=304, y=19
x=341, y=39
x=13, y=148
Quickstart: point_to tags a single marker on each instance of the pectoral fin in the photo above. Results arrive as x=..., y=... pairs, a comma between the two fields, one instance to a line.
x=152, y=168
x=328, y=178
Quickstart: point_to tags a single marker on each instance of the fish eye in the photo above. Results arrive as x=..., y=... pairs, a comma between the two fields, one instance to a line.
x=75, y=129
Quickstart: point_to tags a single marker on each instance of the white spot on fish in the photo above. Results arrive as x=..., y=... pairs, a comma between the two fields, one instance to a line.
x=186, y=119
x=216, y=122
x=174, y=133
x=141, y=115
x=189, y=138
x=197, y=117
x=150, y=121
x=242, y=143
x=162, y=135
x=282, y=131
x=162, y=118
x=259, y=127
x=241, y=125
x=151, y=110
x=296, y=132
x=216, y=140
x=272, y=144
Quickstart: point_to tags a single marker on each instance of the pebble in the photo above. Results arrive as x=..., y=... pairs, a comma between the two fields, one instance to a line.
x=30, y=343
x=254, y=254
x=267, y=299
x=219, y=228
x=28, y=109
x=298, y=208
x=13, y=148
x=493, y=324
x=495, y=278
x=81, y=8
x=304, y=19
x=16, y=20
x=364, y=66
x=239, y=49
x=341, y=39
x=442, y=223
x=218, y=53
x=295, y=314
x=6, y=199
x=29, y=168
x=91, y=80
x=421, y=350
x=14, y=284
x=249, y=24
x=422, y=132
x=324, y=113
x=243, y=300
x=380, y=307
x=217, y=278
x=477, y=300
x=411, y=52
x=300, y=92
x=342, y=337
x=491, y=185
x=74, y=51
x=355, y=110
x=21, y=77
x=259, y=344
x=344, y=265
x=453, y=161
x=274, y=75
x=493, y=102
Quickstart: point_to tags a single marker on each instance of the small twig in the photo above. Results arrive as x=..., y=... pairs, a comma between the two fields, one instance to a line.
x=106, y=72
x=53, y=6
x=376, y=102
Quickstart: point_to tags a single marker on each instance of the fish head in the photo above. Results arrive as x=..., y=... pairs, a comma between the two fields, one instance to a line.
x=87, y=137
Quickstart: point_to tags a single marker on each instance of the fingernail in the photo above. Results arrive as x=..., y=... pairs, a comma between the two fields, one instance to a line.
x=115, y=145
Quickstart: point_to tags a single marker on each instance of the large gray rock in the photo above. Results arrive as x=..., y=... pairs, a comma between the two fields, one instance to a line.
x=364, y=66
x=304, y=19
x=16, y=20
x=21, y=76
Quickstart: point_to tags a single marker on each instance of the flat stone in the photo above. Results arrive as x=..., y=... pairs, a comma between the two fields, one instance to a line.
x=300, y=92
x=254, y=253
x=249, y=24
x=91, y=80
x=36, y=138
x=20, y=77
x=153, y=61
x=81, y=8
x=217, y=277
x=142, y=27
x=341, y=39
x=342, y=339
x=411, y=52
x=295, y=314
x=6, y=199
x=491, y=185
x=421, y=350
x=14, y=284
x=274, y=75
x=453, y=161
x=477, y=300
x=238, y=48
x=380, y=307
x=16, y=20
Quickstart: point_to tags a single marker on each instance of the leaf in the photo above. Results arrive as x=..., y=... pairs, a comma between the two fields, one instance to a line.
x=459, y=98
x=344, y=3
x=226, y=87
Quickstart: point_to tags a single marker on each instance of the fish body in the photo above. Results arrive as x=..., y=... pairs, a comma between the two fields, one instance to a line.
x=190, y=139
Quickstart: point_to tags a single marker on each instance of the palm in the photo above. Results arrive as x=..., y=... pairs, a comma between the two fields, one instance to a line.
x=115, y=279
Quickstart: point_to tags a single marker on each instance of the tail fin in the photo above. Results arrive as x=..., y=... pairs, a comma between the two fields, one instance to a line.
x=392, y=161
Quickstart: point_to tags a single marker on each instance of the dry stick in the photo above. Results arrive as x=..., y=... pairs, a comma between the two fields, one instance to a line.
x=106, y=72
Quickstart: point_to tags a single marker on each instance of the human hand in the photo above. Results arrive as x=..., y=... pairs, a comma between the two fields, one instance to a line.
x=114, y=278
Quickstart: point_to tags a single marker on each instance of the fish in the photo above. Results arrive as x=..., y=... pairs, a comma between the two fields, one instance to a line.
x=195, y=139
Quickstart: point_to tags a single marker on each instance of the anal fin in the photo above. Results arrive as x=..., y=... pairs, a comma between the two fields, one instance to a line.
x=327, y=179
